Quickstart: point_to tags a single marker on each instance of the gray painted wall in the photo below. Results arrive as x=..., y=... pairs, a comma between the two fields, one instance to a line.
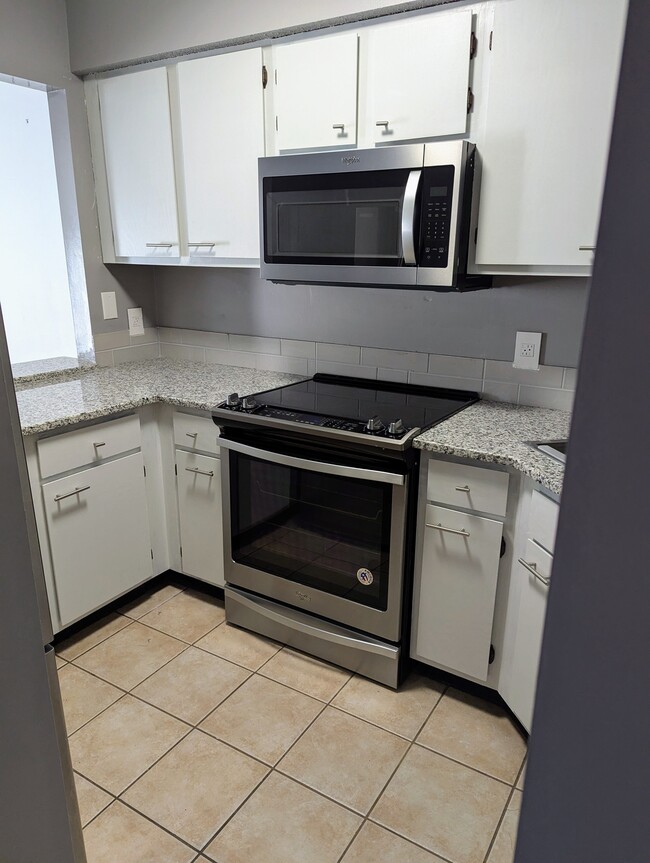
x=34, y=45
x=477, y=324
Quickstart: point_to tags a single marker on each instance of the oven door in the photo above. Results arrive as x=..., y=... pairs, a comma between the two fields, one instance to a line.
x=323, y=536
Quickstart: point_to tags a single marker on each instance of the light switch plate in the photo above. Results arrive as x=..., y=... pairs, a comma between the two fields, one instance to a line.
x=136, y=322
x=109, y=305
x=528, y=347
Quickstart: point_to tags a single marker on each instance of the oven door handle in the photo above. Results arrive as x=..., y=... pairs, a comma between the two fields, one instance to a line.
x=316, y=466
x=408, y=217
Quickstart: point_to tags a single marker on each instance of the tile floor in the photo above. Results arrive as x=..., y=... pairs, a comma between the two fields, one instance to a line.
x=192, y=740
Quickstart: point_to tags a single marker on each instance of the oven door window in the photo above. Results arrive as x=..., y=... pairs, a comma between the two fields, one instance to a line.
x=339, y=219
x=326, y=532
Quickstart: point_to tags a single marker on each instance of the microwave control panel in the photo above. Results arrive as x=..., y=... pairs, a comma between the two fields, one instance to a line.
x=435, y=215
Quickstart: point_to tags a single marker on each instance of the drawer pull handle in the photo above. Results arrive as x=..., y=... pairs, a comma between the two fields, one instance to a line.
x=586, y=248
x=159, y=245
x=532, y=569
x=198, y=470
x=465, y=488
x=461, y=532
x=59, y=497
x=211, y=245
x=339, y=126
x=383, y=123
x=99, y=443
x=191, y=434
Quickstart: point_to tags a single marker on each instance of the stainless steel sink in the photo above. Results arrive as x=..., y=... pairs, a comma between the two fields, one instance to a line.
x=554, y=448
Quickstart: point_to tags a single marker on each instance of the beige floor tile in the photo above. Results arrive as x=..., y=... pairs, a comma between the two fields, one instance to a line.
x=317, y=830
x=503, y=850
x=402, y=712
x=119, y=834
x=305, y=673
x=192, y=684
x=129, y=656
x=263, y=718
x=239, y=646
x=91, y=799
x=116, y=748
x=196, y=787
x=60, y=662
x=92, y=635
x=345, y=758
x=477, y=733
x=83, y=696
x=446, y=807
x=522, y=777
x=140, y=606
x=187, y=616
x=376, y=845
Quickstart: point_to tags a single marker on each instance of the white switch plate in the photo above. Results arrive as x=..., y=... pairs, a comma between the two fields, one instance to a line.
x=527, y=350
x=109, y=305
x=136, y=322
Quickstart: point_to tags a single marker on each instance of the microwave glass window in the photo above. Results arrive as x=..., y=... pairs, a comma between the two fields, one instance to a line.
x=350, y=220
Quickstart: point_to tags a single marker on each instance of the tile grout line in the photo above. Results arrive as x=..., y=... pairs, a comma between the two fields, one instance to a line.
x=499, y=823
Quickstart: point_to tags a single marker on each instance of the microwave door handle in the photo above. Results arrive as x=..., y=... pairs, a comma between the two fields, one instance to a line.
x=408, y=217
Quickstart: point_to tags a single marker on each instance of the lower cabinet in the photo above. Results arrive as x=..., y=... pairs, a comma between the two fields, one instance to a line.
x=98, y=534
x=199, y=512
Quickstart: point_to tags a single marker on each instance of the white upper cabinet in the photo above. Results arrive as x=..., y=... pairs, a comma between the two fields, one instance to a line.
x=552, y=86
x=418, y=77
x=138, y=154
x=221, y=123
x=315, y=93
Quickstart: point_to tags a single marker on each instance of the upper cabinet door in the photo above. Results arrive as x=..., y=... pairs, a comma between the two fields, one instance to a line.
x=221, y=116
x=552, y=86
x=418, y=77
x=137, y=138
x=316, y=93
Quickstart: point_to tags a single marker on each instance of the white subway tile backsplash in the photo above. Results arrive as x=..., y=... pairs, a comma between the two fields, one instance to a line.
x=545, y=376
x=427, y=380
x=274, y=363
x=108, y=341
x=561, y=400
x=570, y=379
x=170, y=334
x=333, y=368
x=243, y=359
x=407, y=360
x=104, y=359
x=182, y=352
x=500, y=391
x=257, y=344
x=455, y=367
x=297, y=348
x=136, y=353
x=206, y=339
x=150, y=336
x=338, y=353
x=399, y=376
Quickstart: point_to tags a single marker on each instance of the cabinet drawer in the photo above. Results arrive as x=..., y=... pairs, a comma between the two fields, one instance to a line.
x=542, y=522
x=460, y=565
x=88, y=446
x=468, y=487
x=537, y=562
x=199, y=513
x=198, y=434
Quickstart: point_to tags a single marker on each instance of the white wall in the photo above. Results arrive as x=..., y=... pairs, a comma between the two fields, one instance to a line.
x=34, y=288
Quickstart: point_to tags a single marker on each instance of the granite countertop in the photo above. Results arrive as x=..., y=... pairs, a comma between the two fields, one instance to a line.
x=487, y=431
x=499, y=433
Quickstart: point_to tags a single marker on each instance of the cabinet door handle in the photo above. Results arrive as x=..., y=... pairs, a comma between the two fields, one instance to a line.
x=532, y=569
x=191, y=434
x=159, y=245
x=339, y=126
x=99, y=443
x=586, y=248
x=212, y=245
x=383, y=123
x=461, y=532
x=59, y=497
x=202, y=472
x=463, y=488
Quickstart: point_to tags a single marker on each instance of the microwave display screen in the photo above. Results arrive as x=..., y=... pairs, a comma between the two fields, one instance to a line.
x=438, y=192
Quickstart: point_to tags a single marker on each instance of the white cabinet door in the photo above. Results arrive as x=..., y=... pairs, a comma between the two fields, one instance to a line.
x=99, y=534
x=221, y=115
x=137, y=138
x=457, y=589
x=418, y=77
x=199, y=509
x=315, y=92
x=552, y=87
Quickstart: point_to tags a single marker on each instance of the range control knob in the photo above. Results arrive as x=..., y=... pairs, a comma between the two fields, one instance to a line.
x=233, y=400
x=248, y=403
x=396, y=427
x=374, y=424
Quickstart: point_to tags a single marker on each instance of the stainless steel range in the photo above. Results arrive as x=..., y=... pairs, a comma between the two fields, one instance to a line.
x=319, y=485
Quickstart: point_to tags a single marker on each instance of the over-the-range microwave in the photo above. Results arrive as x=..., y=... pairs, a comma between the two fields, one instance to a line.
x=389, y=217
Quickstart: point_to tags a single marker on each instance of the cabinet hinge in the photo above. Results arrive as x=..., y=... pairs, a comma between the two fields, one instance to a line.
x=152, y=553
x=493, y=654
x=476, y=235
x=473, y=45
x=265, y=77
x=470, y=100
x=176, y=469
x=181, y=550
x=144, y=469
x=491, y=35
x=276, y=122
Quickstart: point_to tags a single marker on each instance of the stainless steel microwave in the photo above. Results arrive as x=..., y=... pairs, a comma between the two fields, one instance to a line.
x=387, y=217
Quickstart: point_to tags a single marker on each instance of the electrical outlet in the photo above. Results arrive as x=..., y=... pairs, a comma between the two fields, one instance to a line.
x=109, y=305
x=527, y=350
x=136, y=322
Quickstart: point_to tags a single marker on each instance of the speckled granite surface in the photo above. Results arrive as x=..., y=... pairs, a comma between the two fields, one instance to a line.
x=105, y=391
x=498, y=432
x=53, y=369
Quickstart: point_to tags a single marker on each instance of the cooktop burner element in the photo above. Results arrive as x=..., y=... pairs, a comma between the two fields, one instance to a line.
x=381, y=413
